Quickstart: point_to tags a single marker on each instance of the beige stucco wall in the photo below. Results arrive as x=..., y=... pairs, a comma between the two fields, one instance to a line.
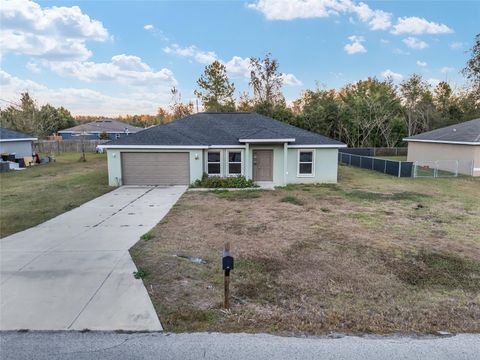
x=326, y=165
x=421, y=151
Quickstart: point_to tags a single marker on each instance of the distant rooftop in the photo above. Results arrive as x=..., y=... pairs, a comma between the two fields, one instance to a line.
x=9, y=135
x=467, y=132
x=103, y=125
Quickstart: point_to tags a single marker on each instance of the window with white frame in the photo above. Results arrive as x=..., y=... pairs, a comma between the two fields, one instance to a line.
x=234, y=165
x=213, y=163
x=306, y=162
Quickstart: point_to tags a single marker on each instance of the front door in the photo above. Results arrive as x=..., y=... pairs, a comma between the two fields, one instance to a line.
x=263, y=165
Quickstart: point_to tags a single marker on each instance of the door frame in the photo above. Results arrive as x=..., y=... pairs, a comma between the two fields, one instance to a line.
x=253, y=164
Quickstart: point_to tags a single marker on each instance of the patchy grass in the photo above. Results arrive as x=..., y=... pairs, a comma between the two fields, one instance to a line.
x=372, y=253
x=292, y=200
x=147, y=236
x=34, y=195
x=376, y=196
x=238, y=195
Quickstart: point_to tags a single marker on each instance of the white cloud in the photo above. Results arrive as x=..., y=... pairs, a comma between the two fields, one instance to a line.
x=294, y=9
x=384, y=41
x=290, y=80
x=376, y=19
x=398, y=51
x=457, y=45
x=148, y=27
x=389, y=74
x=414, y=43
x=355, y=47
x=433, y=82
x=238, y=67
x=83, y=100
x=57, y=33
x=203, y=57
x=446, y=69
x=417, y=25
x=421, y=63
x=33, y=67
x=12, y=84
x=123, y=69
x=306, y=9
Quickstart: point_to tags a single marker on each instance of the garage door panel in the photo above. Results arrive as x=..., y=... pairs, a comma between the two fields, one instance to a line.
x=155, y=168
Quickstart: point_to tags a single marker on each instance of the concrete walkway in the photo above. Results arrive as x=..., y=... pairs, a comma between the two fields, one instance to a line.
x=74, y=271
x=93, y=345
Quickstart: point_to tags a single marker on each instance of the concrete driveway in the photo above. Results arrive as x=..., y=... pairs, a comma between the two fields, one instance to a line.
x=74, y=271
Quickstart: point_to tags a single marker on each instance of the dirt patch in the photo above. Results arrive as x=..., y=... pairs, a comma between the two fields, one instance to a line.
x=333, y=263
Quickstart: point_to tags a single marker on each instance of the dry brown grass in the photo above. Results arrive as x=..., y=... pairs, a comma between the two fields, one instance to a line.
x=371, y=254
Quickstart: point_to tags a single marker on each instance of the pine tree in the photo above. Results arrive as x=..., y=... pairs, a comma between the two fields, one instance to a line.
x=215, y=90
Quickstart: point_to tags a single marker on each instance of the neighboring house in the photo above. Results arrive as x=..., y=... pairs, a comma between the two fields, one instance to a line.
x=460, y=142
x=223, y=144
x=15, y=142
x=93, y=130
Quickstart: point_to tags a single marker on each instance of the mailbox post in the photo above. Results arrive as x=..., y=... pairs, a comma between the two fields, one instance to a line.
x=227, y=265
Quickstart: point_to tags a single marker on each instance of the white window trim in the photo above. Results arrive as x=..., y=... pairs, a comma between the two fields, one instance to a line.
x=227, y=162
x=220, y=162
x=313, y=163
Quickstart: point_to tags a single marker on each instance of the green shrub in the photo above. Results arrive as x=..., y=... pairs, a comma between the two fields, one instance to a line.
x=216, y=182
x=140, y=274
x=147, y=236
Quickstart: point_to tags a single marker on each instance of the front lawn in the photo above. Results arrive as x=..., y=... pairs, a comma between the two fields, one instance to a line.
x=34, y=195
x=372, y=254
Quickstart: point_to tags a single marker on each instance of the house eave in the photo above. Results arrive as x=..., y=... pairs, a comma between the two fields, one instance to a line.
x=19, y=139
x=443, y=142
x=266, y=141
x=325, y=146
x=153, y=147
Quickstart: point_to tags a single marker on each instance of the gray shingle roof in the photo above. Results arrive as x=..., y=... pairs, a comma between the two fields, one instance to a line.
x=103, y=125
x=206, y=129
x=468, y=132
x=9, y=134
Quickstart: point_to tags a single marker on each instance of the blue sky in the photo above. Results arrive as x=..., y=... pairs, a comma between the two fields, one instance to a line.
x=110, y=58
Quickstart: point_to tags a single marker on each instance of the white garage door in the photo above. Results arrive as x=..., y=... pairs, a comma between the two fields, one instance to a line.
x=155, y=168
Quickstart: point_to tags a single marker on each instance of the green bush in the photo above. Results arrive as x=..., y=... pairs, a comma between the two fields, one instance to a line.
x=215, y=182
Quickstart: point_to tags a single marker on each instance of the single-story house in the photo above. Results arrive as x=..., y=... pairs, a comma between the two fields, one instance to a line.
x=93, y=130
x=15, y=142
x=223, y=144
x=452, y=147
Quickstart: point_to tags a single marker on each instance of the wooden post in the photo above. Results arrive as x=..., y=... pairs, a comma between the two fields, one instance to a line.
x=226, y=283
x=226, y=300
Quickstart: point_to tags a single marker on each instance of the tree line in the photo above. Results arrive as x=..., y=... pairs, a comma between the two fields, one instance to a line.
x=369, y=112
x=28, y=117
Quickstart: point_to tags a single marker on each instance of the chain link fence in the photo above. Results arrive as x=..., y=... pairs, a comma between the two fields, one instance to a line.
x=390, y=167
x=442, y=168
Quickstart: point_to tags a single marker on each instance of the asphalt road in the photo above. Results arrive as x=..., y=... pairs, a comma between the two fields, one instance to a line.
x=109, y=345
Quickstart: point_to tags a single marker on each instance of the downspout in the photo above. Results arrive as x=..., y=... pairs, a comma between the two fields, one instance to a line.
x=285, y=172
x=247, y=161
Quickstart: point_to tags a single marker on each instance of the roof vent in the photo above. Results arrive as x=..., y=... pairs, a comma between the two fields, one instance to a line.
x=454, y=130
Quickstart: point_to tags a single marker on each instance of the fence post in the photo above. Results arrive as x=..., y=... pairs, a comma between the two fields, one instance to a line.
x=435, y=169
x=361, y=161
x=384, y=166
x=350, y=163
x=399, y=168
x=456, y=170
